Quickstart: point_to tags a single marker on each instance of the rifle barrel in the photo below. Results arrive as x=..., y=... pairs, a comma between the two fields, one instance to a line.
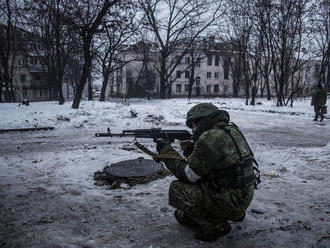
x=113, y=134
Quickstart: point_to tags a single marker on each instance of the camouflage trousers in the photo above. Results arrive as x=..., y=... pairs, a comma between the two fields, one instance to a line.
x=191, y=199
x=318, y=110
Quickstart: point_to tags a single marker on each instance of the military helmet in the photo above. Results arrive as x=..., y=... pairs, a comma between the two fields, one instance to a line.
x=199, y=111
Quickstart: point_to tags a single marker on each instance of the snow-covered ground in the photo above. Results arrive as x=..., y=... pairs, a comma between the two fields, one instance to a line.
x=48, y=197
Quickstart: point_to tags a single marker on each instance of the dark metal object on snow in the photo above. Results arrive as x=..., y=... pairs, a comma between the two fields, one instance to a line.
x=134, y=168
x=25, y=129
x=130, y=173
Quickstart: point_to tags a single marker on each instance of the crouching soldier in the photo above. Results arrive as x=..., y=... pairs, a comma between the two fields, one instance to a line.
x=216, y=183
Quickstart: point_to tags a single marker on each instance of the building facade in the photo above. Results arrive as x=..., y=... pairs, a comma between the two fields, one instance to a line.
x=210, y=67
x=27, y=68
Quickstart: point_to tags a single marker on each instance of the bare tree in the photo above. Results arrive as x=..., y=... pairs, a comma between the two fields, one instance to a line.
x=8, y=47
x=169, y=26
x=196, y=56
x=277, y=37
x=45, y=18
x=320, y=28
x=143, y=66
x=85, y=17
x=285, y=30
x=260, y=18
x=118, y=28
x=241, y=30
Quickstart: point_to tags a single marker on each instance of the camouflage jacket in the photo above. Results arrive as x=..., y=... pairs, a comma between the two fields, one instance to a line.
x=212, y=158
x=319, y=97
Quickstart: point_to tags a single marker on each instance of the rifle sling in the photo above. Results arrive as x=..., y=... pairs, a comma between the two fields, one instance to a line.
x=157, y=156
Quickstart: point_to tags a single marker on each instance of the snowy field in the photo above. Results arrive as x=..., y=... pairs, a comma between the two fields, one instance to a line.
x=48, y=197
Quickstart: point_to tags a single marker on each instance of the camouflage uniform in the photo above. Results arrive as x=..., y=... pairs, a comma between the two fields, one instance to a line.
x=210, y=190
x=319, y=99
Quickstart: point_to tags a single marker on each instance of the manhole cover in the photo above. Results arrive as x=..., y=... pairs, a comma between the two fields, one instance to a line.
x=134, y=168
x=128, y=173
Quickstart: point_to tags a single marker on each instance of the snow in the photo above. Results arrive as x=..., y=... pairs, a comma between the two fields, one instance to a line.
x=48, y=197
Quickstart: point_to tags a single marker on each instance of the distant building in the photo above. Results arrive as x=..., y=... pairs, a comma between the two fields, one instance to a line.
x=30, y=77
x=214, y=74
x=138, y=78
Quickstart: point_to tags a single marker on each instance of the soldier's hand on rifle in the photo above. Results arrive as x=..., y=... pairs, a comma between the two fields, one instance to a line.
x=187, y=146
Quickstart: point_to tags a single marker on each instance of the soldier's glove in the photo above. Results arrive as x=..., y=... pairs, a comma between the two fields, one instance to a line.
x=187, y=147
x=161, y=143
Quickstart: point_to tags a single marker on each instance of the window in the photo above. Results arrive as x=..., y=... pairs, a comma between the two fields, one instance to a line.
x=187, y=60
x=178, y=88
x=209, y=60
x=186, y=87
x=198, y=62
x=187, y=74
x=178, y=59
x=217, y=60
x=216, y=88
x=216, y=75
x=40, y=93
x=198, y=81
x=178, y=74
x=208, y=88
x=208, y=75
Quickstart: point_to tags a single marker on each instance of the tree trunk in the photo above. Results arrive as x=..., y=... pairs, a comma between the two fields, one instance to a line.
x=162, y=83
x=1, y=84
x=60, y=95
x=90, y=89
x=85, y=73
x=268, y=89
x=82, y=82
x=327, y=86
x=104, y=86
x=235, y=86
x=191, y=81
x=253, y=96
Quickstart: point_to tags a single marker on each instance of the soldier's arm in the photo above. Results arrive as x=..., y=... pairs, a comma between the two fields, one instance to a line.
x=200, y=161
x=176, y=166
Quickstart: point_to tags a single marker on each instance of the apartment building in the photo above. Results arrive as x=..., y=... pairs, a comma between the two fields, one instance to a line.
x=210, y=68
x=29, y=73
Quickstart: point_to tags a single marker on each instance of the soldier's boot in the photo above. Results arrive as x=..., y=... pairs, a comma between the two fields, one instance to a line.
x=322, y=117
x=315, y=118
x=183, y=218
x=213, y=232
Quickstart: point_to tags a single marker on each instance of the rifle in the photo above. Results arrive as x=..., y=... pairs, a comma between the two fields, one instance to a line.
x=153, y=133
